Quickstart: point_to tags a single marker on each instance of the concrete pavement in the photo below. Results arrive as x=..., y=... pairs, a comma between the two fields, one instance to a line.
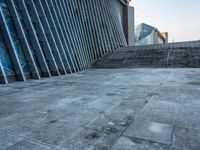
x=130, y=109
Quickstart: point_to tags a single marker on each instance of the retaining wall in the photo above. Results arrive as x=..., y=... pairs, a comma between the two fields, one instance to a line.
x=173, y=55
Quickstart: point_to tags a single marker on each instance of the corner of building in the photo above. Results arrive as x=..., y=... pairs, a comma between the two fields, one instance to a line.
x=129, y=24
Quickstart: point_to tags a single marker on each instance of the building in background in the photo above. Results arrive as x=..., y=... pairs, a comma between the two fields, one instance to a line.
x=166, y=36
x=146, y=34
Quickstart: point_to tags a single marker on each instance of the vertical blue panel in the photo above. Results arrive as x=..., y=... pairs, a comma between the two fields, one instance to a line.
x=5, y=58
x=14, y=38
x=19, y=13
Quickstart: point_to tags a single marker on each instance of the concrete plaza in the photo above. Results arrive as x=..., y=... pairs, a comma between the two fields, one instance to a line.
x=130, y=109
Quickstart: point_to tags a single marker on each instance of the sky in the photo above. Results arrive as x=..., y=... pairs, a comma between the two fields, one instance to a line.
x=180, y=18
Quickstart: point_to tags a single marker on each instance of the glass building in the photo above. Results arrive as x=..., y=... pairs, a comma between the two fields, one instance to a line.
x=146, y=34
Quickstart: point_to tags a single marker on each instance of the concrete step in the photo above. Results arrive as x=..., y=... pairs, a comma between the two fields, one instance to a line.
x=176, y=55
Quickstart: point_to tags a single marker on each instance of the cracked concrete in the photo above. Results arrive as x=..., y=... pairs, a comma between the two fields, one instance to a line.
x=130, y=109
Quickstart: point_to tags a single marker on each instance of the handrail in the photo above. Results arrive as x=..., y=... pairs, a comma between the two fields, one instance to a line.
x=169, y=52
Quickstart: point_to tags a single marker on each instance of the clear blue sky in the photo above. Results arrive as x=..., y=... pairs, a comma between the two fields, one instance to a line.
x=181, y=18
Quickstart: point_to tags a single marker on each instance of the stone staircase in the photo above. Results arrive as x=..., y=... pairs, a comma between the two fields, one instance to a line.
x=173, y=55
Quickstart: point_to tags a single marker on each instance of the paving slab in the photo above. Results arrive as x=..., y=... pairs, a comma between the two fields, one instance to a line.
x=150, y=131
x=160, y=111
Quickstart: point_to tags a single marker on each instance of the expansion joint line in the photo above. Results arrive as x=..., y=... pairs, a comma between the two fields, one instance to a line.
x=156, y=91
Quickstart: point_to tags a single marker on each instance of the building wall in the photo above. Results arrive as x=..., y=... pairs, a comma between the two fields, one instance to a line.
x=129, y=24
x=44, y=38
x=126, y=17
x=147, y=40
x=120, y=11
x=157, y=38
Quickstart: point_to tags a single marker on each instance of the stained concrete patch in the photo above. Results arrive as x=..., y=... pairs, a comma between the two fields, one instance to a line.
x=150, y=131
x=194, y=83
x=127, y=143
x=11, y=142
x=124, y=112
x=99, y=134
x=188, y=114
x=187, y=138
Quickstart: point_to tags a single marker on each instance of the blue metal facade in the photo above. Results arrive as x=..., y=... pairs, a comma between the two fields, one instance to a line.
x=44, y=38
